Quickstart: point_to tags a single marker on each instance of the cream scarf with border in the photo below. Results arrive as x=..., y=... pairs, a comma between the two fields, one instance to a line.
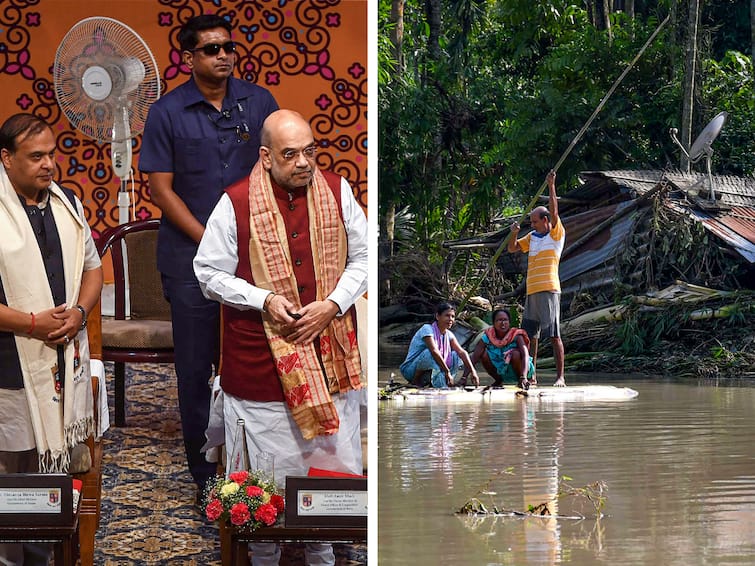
x=59, y=421
x=307, y=383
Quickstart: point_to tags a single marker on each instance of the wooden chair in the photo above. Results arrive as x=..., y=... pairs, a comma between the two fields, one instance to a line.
x=91, y=490
x=145, y=333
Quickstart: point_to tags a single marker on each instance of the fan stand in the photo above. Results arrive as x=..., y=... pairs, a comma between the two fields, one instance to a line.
x=124, y=217
x=121, y=155
x=124, y=203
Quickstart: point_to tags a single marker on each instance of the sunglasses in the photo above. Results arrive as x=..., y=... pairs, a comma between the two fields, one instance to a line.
x=214, y=48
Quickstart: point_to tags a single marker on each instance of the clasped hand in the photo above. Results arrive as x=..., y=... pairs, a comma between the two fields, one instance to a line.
x=55, y=325
x=307, y=323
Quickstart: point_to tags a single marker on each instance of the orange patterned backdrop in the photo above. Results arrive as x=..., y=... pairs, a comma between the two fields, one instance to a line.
x=311, y=54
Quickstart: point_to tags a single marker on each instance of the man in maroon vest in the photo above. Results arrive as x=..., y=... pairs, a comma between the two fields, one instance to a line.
x=285, y=252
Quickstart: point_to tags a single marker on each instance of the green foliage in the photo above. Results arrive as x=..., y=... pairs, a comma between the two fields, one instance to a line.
x=387, y=63
x=472, y=131
x=729, y=86
x=631, y=335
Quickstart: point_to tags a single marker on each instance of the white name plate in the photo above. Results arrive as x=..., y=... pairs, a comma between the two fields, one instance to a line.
x=328, y=503
x=31, y=500
x=36, y=500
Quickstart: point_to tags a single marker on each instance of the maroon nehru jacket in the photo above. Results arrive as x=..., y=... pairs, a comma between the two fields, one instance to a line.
x=247, y=367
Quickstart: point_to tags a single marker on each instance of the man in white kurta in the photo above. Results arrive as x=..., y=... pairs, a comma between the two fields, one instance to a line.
x=50, y=278
x=287, y=309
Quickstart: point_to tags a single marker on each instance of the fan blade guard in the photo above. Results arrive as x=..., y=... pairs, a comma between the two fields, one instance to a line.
x=102, y=67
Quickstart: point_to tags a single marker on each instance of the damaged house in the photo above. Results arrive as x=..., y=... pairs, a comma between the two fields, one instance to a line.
x=640, y=242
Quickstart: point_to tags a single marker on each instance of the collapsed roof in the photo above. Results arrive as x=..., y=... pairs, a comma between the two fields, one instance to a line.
x=603, y=213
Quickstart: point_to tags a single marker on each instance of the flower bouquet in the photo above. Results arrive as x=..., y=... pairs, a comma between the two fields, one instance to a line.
x=246, y=499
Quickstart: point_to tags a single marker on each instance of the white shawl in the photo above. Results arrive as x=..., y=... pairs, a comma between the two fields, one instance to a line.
x=58, y=423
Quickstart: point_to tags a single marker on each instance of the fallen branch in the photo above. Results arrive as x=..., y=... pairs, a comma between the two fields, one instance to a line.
x=593, y=494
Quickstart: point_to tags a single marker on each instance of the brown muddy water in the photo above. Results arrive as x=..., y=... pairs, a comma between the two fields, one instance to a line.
x=678, y=462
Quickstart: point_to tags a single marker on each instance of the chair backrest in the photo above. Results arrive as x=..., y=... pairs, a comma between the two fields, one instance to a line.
x=133, y=248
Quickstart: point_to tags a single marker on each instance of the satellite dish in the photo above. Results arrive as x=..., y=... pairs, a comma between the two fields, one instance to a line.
x=703, y=142
x=105, y=80
x=702, y=146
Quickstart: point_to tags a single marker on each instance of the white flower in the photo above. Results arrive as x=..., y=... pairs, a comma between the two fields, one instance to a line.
x=229, y=489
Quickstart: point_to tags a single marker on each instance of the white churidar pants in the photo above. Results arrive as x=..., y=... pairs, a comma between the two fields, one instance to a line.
x=270, y=428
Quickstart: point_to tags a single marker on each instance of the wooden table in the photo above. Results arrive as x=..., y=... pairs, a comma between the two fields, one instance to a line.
x=63, y=538
x=234, y=543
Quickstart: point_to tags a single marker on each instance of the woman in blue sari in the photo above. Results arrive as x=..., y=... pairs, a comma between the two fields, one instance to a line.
x=435, y=354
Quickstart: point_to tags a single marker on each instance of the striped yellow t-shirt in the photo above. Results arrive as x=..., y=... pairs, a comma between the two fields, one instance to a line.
x=542, y=262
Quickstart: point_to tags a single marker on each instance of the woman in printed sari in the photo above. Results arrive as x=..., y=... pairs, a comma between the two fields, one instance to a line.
x=435, y=354
x=504, y=352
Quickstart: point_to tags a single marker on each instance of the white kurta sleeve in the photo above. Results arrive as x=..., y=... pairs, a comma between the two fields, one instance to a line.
x=217, y=259
x=91, y=257
x=353, y=282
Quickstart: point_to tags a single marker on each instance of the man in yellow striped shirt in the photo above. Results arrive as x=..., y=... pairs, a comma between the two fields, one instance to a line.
x=542, y=306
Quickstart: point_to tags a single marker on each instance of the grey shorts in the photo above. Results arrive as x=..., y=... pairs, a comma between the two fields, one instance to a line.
x=542, y=314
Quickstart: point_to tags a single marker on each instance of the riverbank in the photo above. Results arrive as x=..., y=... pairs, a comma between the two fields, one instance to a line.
x=681, y=331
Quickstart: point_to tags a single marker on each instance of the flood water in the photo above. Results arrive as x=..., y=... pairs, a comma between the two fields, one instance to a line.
x=678, y=462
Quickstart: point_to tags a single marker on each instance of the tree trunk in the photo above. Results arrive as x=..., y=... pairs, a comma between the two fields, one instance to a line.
x=397, y=34
x=607, y=19
x=390, y=227
x=390, y=236
x=690, y=79
x=629, y=9
x=590, y=8
x=599, y=11
x=432, y=10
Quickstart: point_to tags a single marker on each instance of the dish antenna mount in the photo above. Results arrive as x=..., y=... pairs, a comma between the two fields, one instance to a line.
x=702, y=146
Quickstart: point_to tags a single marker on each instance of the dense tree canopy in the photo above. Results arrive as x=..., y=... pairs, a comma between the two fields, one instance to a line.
x=479, y=98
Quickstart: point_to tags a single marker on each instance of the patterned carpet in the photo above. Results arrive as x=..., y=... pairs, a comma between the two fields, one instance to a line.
x=148, y=513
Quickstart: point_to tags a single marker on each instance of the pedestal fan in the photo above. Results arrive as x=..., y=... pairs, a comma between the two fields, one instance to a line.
x=105, y=80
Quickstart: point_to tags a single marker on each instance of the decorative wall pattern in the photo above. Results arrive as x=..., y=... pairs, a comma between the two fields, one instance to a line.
x=311, y=54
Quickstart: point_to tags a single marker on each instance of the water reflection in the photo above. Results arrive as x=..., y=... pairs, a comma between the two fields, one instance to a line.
x=678, y=462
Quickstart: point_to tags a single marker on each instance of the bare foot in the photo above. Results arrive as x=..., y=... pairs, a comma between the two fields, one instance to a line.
x=533, y=381
x=560, y=382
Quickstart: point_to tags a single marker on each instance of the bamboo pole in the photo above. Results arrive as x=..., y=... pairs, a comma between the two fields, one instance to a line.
x=561, y=159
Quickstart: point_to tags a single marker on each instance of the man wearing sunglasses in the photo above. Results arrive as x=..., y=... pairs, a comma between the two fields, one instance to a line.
x=198, y=139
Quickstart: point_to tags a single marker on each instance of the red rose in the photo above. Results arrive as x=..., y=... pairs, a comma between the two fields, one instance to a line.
x=278, y=502
x=266, y=513
x=240, y=514
x=214, y=509
x=239, y=477
x=254, y=491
